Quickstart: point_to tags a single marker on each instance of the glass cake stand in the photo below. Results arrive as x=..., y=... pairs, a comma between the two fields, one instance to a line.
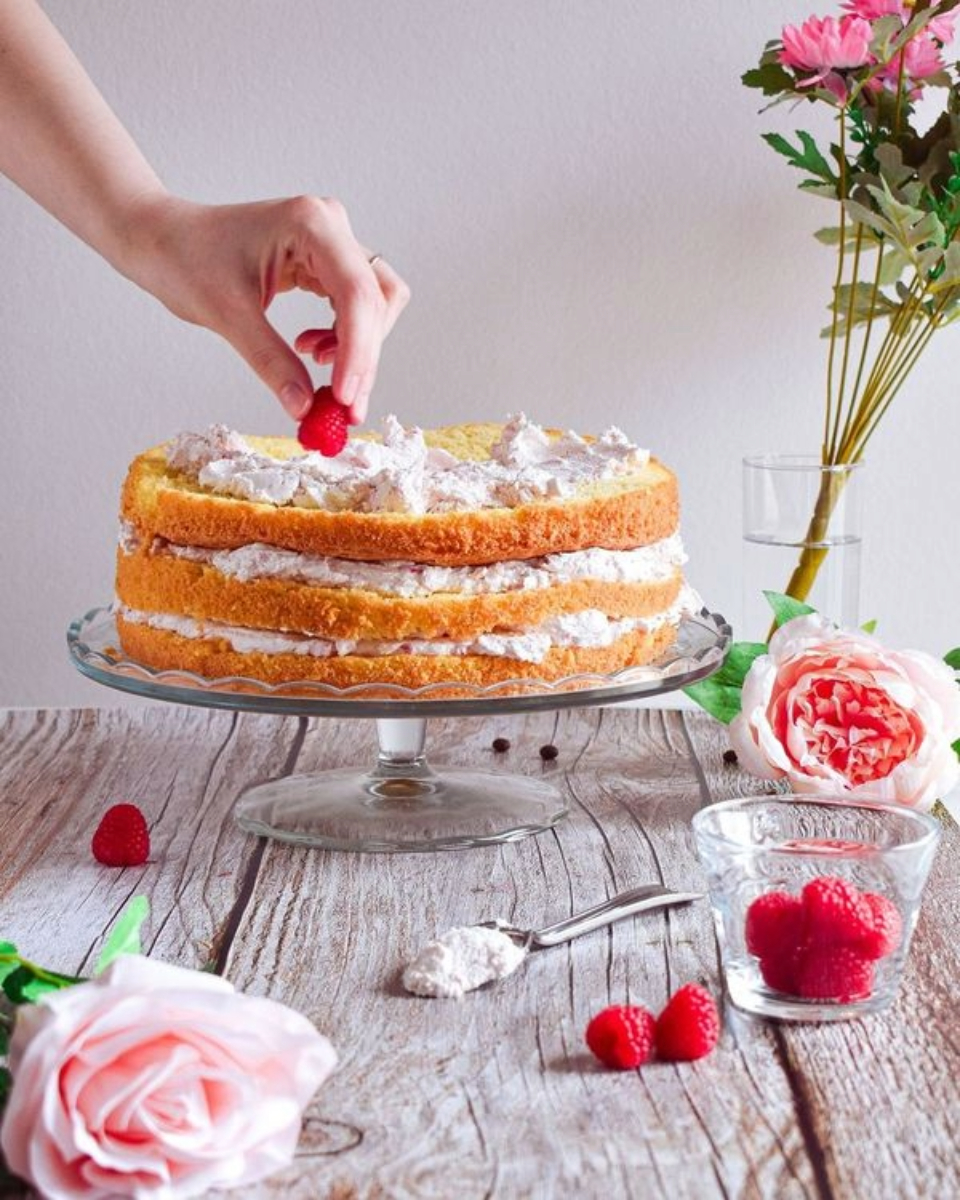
x=401, y=803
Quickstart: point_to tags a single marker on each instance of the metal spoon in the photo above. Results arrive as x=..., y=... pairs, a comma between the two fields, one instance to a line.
x=626, y=904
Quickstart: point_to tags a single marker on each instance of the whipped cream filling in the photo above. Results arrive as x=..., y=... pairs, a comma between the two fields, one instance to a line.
x=590, y=629
x=402, y=474
x=655, y=563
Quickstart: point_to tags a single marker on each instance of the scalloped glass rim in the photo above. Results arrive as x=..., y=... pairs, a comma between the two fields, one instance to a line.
x=701, y=646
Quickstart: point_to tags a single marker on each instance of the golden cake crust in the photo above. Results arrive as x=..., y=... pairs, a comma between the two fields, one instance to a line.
x=620, y=513
x=214, y=658
x=165, y=584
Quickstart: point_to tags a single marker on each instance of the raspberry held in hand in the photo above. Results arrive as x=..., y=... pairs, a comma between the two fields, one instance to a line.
x=122, y=838
x=689, y=1027
x=324, y=428
x=622, y=1036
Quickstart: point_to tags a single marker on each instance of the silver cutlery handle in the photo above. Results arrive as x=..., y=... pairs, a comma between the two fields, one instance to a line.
x=626, y=904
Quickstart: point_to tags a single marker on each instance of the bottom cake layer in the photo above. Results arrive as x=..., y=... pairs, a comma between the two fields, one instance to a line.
x=216, y=655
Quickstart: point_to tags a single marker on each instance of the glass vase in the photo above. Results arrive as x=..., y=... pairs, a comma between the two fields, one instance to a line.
x=802, y=535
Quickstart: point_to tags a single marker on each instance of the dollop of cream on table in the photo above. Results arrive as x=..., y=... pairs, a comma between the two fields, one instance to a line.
x=462, y=960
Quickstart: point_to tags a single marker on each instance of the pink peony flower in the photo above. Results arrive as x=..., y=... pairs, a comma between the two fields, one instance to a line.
x=155, y=1081
x=832, y=710
x=824, y=45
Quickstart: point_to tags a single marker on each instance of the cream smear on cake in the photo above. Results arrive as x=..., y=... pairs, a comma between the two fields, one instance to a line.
x=655, y=563
x=402, y=474
x=590, y=629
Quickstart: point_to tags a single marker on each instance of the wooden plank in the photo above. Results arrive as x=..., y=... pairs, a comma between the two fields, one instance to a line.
x=496, y=1095
x=896, y=1070
x=59, y=770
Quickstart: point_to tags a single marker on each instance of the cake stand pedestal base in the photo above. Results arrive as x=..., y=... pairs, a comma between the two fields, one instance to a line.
x=401, y=804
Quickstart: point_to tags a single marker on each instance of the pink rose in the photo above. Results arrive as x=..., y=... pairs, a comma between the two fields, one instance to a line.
x=155, y=1081
x=821, y=46
x=832, y=710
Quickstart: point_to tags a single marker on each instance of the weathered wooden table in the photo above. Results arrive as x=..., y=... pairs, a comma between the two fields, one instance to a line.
x=494, y=1095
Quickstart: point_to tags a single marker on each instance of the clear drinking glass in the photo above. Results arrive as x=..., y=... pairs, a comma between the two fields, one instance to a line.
x=802, y=535
x=783, y=958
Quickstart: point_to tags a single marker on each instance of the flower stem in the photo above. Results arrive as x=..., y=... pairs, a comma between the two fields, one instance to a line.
x=830, y=419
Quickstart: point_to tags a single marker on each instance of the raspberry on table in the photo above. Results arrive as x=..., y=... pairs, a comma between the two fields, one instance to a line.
x=324, y=428
x=122, y=838
x=689, y=1027
x=622, y=1036
x=500, y=745
x=549, y=752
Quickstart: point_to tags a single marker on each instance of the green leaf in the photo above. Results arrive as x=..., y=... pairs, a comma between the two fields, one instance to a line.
x=6, y=1081
x=27, y=983
x=952, y=658
x=949, y=270
x=785, y=608
x=125, y=936
x=857, y=303
x=956, y=747
x=770, y=77
x=4, y=1037
x=892, y=168
x=869, y=626
x=807, y=158
x=9, y=959
x=830, y=236
x=719, y=694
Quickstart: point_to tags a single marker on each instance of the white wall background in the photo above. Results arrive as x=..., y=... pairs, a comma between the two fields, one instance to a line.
x=578, y=195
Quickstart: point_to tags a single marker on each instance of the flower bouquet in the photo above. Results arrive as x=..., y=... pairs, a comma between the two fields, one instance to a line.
x=896, y=191
x=834, y=711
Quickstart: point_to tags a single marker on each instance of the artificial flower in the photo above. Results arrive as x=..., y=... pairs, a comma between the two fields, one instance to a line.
x=155, y=1082
x=872, y=10
x=822, y=46
x=834, y=710
x=892, y=169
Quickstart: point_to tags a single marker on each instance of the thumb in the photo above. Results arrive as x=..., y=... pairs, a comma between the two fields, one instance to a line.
x=265, y=351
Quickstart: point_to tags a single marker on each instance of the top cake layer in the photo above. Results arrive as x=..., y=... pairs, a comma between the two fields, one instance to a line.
x=461, y=495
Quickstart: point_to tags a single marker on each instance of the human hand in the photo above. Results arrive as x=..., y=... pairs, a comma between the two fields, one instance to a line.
x=220, y=266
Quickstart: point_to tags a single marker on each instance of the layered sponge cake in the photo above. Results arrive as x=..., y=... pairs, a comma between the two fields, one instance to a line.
x=474, y=553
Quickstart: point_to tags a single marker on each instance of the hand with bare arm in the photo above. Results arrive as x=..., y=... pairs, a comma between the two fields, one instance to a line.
x=218, y=266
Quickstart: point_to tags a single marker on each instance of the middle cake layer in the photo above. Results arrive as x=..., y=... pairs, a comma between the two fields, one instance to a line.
x=265, y=588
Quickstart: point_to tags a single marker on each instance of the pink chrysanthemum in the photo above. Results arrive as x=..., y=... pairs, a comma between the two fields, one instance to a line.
x=822, y=46
x=921, y=59
x=942, y=28
x=870, y=10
